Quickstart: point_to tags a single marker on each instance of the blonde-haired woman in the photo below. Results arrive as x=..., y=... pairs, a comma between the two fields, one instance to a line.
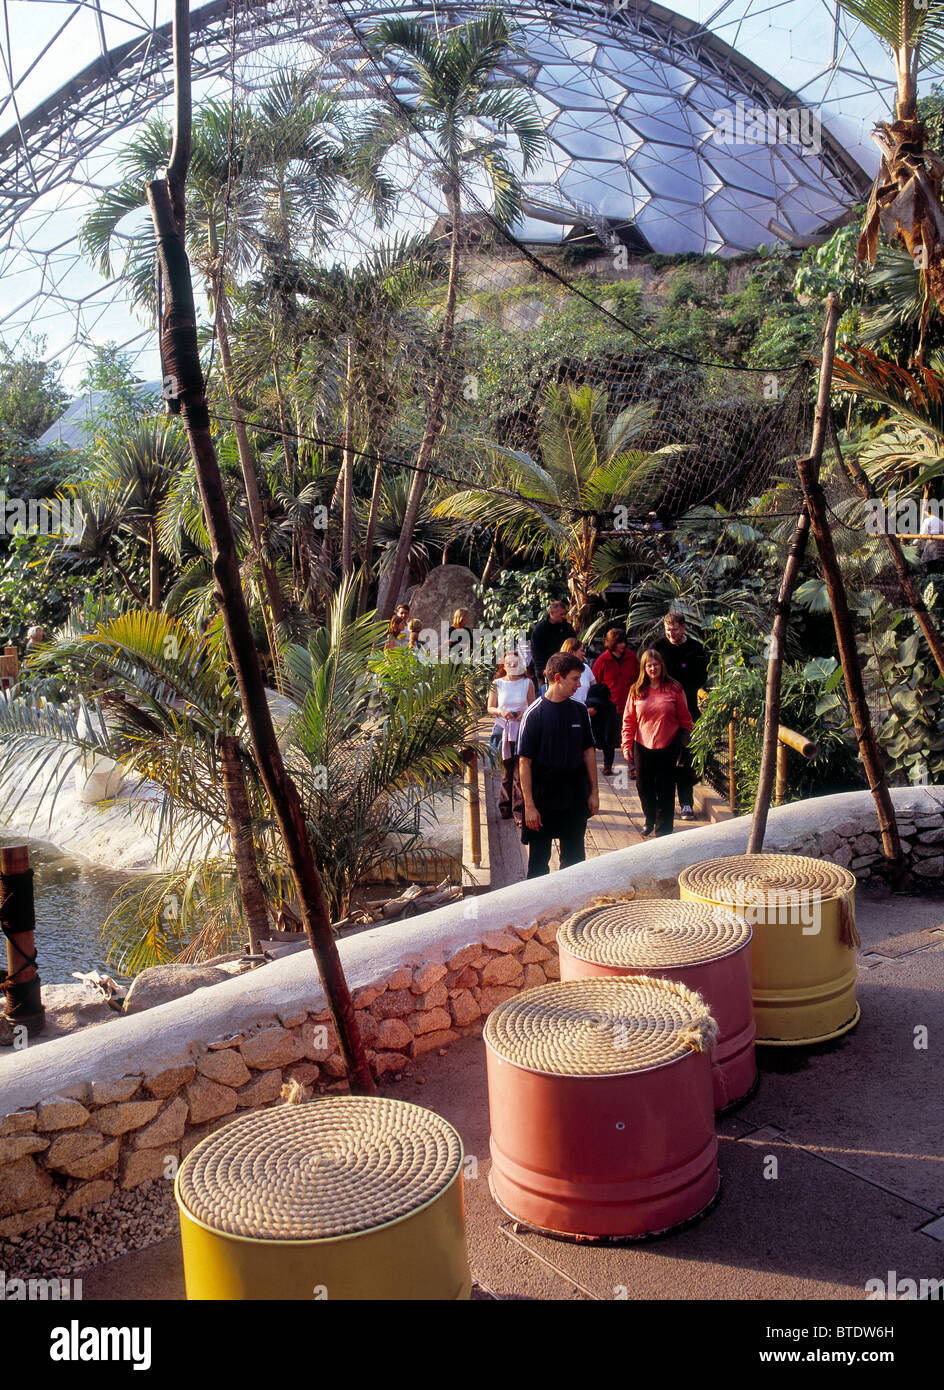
x=460, y=637
x=657, y=724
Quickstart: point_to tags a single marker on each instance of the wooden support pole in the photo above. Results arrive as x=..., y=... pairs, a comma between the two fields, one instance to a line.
x=768, y=761
x=851, y=670
x=21, y=983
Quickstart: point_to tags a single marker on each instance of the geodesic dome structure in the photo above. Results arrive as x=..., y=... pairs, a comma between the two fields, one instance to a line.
x=659, y=125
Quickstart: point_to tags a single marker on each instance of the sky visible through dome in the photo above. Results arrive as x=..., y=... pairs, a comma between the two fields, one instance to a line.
x=634, y=134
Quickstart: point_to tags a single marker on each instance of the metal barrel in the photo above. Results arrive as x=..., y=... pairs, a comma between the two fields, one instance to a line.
x=601, y=1108
x=347, y=1197
x=706, y=948
x=803, y=961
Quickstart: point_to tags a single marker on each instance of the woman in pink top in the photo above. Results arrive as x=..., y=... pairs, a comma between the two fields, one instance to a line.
x=656, y=725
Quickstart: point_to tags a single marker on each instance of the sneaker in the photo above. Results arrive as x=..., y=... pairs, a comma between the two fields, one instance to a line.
x=686, y=813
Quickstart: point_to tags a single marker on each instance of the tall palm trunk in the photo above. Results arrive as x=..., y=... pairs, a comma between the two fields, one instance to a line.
x=244, y=449
x=391, y=590
x=367, y=554
x=154, y=567
x=244, y=850
x=347, y=504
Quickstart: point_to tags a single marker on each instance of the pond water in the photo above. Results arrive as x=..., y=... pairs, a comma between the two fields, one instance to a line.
x=72, y=899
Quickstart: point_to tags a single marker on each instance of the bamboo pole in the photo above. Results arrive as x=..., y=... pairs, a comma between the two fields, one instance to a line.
x=474, y=809
x=860, y=481
x=780, y=790
x=851, y=670
x=181, y=358
x=768, y=761
x=732, y=778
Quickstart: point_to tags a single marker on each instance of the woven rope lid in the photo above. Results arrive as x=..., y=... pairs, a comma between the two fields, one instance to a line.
x=654, y=932
x=743, y=879
x=318, y=1170
x=601, y=1027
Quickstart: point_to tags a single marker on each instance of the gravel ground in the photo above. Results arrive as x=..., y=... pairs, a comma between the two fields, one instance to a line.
x=129, y=1221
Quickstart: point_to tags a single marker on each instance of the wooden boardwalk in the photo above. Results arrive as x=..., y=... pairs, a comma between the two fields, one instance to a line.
x=617, y=825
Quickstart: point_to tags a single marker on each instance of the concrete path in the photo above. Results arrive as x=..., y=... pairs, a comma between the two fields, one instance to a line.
x=855, y=1128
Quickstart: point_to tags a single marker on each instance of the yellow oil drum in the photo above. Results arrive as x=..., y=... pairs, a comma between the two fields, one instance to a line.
x=347, y=1197
x=803, y=962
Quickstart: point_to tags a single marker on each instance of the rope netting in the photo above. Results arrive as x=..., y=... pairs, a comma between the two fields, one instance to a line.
x=322, y=203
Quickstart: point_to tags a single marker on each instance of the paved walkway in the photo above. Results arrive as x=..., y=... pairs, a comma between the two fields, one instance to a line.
x=854, y=1127
x=617, y=825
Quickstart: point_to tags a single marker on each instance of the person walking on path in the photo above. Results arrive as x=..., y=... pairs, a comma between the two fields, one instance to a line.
x=509, y=696
x=686, y=662
x=574, y=647
x=558, y=769
x=656, y=727
x=605, y=723
x=617, y=666
x=548, y=636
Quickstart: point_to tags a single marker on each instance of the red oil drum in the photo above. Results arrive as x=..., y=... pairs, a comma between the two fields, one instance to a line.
x=601, y=1107
x=705, y=948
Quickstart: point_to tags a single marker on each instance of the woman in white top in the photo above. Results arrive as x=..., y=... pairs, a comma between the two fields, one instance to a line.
x=509, y=695
x=574, y=647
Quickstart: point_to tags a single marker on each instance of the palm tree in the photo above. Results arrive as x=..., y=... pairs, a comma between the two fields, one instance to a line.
x=363, y=311
x=375, y=736
x=905, y=198
x=457, y=100
x=589, y=465
x=261, y=175
x=141, y=461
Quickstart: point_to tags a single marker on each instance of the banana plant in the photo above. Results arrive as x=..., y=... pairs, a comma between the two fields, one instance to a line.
x=905, y=200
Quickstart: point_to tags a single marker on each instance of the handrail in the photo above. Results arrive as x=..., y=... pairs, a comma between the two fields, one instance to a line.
x=786, y=738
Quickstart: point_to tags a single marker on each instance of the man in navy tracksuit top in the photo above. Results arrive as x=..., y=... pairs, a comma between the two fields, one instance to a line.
x=558, y=769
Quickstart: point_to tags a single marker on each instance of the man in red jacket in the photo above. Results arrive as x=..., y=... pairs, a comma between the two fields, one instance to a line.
x=617, y=667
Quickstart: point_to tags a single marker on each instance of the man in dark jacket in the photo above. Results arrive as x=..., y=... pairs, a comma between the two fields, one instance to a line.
x=548, y=636
x=686, y=662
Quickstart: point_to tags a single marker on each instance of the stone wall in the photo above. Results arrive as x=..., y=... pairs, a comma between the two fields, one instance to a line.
x=76, y=1150
x=86, y=1119
x=857, y=846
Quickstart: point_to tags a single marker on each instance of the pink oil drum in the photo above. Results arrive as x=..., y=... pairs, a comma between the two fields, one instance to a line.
x=706, y=948
x=601, y=1107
